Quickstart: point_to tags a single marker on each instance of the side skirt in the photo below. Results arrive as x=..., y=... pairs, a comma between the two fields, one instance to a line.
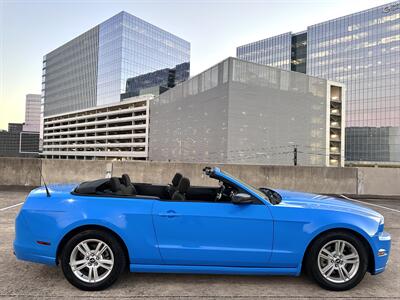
x=138, y=268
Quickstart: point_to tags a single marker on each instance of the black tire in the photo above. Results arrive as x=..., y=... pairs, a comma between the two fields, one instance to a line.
x=311, y=262
x=117, y=252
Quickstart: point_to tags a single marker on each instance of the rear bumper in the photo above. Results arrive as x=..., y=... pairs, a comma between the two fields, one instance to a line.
x=382, y=243
x=26, y=246
x=29, y=254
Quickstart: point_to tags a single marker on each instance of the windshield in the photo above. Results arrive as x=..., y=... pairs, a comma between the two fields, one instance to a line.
x=248, y=186
x=272, y=196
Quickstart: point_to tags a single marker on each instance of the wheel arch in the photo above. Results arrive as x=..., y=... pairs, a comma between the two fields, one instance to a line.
x=371, y=258
x=81, y=228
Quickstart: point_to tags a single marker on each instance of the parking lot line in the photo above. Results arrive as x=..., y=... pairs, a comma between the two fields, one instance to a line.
x=367, y=203
x=8, y=207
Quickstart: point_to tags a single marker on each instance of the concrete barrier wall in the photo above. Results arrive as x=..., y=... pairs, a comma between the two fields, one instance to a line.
x=73, y=171
x=382, y=181
x=378, y=181
x=19, y=171
x=307, y=179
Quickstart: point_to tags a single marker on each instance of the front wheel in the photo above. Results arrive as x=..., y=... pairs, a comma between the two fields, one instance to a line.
x=337, y=261
x=92, y=260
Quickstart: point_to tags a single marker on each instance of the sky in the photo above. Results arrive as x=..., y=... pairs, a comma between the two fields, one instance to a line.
x=31, y=28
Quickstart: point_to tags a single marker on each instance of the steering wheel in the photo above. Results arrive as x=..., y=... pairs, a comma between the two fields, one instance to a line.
x=220, y=193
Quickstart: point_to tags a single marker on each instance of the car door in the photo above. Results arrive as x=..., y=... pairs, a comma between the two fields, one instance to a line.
x=213, y=234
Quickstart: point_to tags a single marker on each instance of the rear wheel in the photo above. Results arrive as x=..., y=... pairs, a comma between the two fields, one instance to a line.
x=337, y=261
x=92, y=260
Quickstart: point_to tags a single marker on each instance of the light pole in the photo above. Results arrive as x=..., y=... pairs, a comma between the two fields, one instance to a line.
x=294, y=153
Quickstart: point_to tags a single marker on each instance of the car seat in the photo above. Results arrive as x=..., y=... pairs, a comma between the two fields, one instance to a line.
x=180, y=193
x=127, y=186
x=115, y=185
x=172, y=188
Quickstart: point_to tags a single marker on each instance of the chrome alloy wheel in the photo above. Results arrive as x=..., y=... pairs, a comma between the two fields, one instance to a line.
x=338, y=261
x=91, y=260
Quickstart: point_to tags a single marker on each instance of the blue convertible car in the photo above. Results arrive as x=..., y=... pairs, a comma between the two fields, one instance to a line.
x=96, y=229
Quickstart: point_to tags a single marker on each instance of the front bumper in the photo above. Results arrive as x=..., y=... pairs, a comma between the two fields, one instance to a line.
x=382, y=243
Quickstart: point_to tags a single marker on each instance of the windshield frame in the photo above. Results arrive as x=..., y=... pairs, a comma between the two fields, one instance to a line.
x=253, y=190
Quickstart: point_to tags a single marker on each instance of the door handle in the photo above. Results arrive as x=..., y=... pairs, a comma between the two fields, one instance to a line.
x=169, y=214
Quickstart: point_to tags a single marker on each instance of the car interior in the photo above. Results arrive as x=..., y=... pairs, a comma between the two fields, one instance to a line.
x=178, y=190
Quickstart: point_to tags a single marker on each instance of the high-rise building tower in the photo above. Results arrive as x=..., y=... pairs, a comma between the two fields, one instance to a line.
x=93, y=69
x=361, y=50
x=32, y=113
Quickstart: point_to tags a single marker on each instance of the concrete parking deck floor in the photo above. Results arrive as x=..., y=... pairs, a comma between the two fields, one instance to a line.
x=27, y=280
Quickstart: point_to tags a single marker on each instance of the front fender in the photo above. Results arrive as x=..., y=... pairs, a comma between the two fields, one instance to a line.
x=295, y=228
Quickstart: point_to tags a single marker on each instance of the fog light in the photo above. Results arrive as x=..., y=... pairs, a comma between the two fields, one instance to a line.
x=381, y=252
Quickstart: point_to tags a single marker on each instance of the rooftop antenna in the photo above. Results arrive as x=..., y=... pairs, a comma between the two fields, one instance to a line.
x=44, y=182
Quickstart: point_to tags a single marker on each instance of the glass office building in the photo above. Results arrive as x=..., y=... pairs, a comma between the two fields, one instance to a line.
x=274, y=51
x=361, y=50
x=94, y=68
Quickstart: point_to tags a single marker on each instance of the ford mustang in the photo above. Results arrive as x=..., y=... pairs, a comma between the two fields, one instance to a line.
x=96, y=229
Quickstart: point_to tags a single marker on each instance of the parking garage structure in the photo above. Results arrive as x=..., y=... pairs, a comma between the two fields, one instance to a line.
x=110, y=132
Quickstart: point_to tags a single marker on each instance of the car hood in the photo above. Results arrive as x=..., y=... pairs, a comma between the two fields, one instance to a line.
x=315, y=201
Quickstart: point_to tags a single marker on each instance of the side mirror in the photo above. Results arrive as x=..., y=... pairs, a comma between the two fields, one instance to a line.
x=241, y=198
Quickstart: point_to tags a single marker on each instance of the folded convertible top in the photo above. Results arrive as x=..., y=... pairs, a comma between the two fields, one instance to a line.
x=91, y=187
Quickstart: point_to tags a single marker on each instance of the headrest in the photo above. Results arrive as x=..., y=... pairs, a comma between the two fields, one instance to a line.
x=115, y=184
x=177, y=178
x=126, y=180
x=183, y=185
